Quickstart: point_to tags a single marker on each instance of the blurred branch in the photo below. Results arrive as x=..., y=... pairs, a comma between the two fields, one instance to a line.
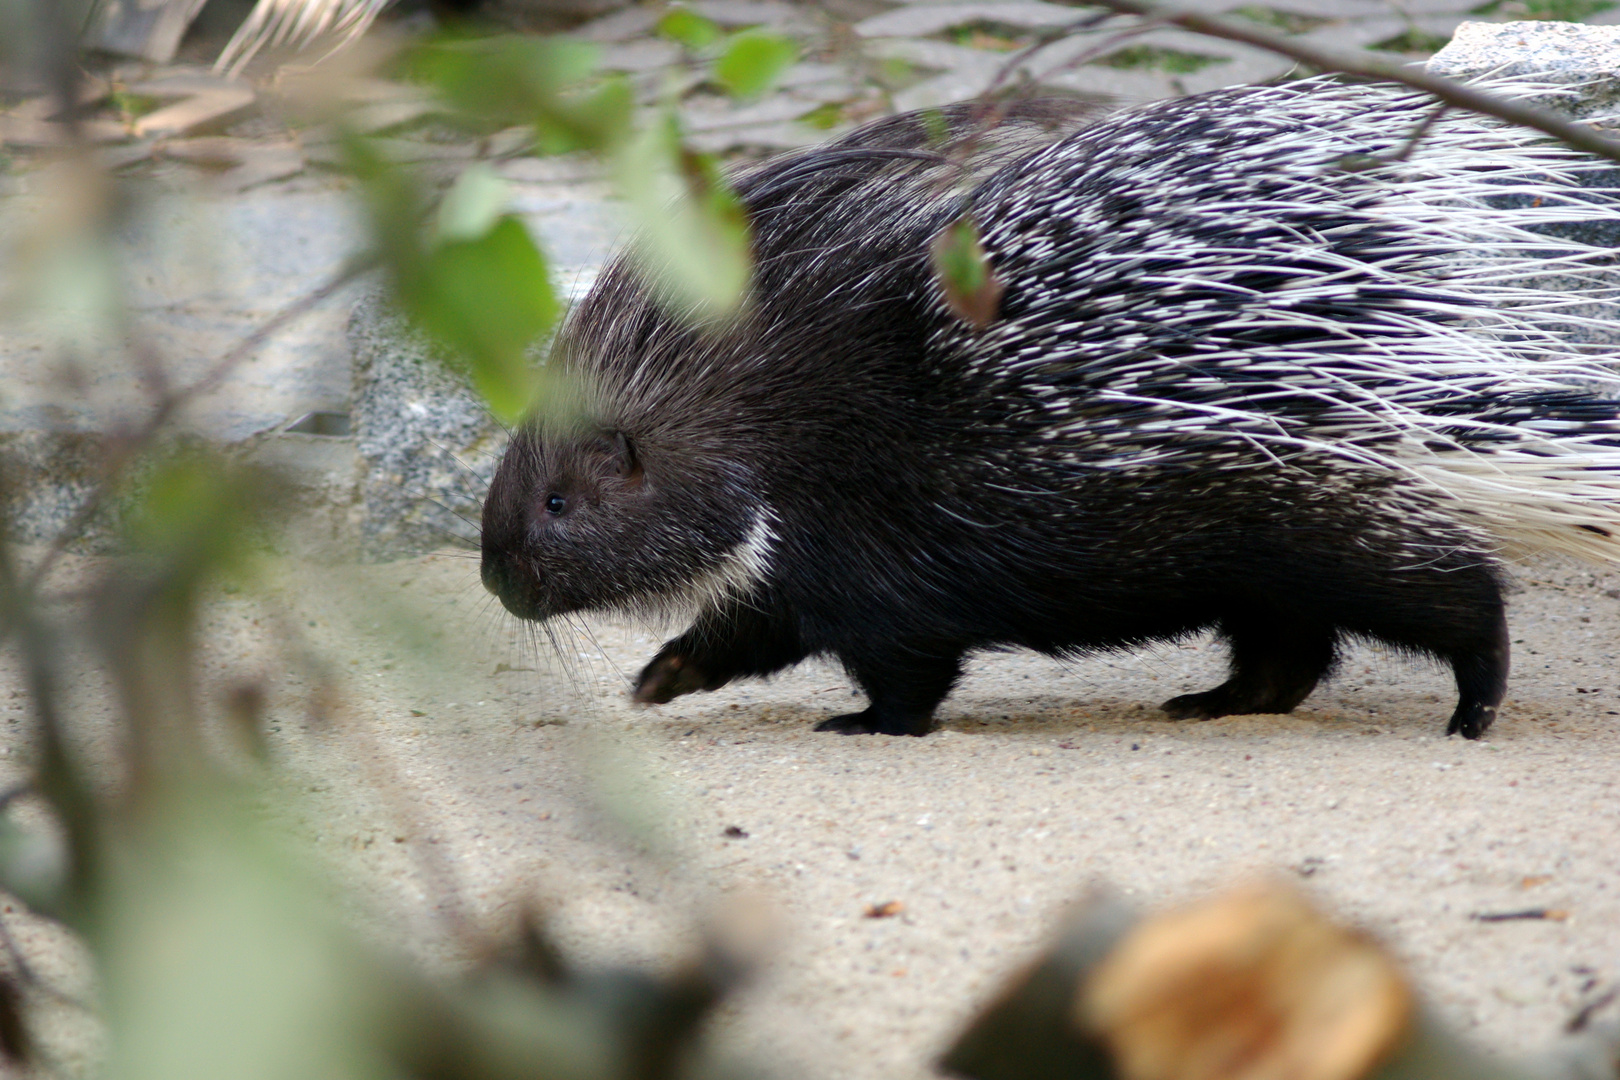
x=57, y=777
x=123, y=450
x=1347, y=62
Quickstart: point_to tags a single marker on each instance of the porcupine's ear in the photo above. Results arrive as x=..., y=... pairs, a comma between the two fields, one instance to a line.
x=617, y=457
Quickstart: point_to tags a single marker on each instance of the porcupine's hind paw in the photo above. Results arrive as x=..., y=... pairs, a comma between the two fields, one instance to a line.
x=1205, y=706
x=1275, y=665
x=1482, y=672
x=873, y=722
x=1233, y=698
x=669, y=675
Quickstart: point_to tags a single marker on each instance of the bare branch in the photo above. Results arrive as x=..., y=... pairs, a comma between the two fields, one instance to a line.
x=1573, y=134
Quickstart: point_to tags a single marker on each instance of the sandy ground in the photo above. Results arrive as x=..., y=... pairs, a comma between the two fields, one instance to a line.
x=471, y=768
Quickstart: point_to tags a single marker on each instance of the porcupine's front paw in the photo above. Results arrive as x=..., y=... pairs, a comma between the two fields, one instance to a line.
x=669, y=675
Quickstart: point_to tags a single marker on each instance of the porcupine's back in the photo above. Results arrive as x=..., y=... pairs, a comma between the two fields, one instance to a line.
x=1202, y=300
x=840, y=237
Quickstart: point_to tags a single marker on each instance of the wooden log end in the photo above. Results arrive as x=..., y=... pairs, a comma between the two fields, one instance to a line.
x=1255, y=984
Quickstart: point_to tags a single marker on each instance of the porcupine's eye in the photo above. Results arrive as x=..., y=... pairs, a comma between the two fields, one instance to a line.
x=556, y=504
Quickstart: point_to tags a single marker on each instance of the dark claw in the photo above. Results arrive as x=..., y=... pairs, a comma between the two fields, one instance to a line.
x=855, y=723
x=666, y=678
x=1194, y=707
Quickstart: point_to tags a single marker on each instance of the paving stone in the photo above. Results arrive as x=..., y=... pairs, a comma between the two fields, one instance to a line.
x=144, y=29
x=1215, y=7
x=1433, y=7
x=780, y=136
x=261, y=165
x=624, y=25
x=1331, y=9
x=809, y=72
x=942, y=90
x=1358, y=34
x=208, y=108
x=812, y=95
x=937, y=55
x=1124, y=86
x=640, y=56
x=737, y=13
x=920, y=19
x=717, y=114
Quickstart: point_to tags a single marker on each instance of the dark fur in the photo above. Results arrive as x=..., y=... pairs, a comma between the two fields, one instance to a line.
x=912, y=525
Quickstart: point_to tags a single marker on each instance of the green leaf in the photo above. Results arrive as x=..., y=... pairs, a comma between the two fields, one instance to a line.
x=482, y=292
x=965, y=275
x=473, y=204
x=489, y=301
x=544, y=82
x=693, y=230
x=598, y=121
x=689, y=29
x=753, y=61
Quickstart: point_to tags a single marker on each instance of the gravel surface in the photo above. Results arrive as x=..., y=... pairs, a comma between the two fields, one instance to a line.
x=454, y=782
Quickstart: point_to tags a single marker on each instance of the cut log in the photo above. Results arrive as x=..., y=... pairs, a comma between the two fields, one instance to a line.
x=1254, y=984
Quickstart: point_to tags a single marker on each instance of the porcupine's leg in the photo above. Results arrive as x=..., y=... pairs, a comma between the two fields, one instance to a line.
x=1453, y=611
x=1276, y=663
x=902, y=691
x=719, y=647
x=1481, y=674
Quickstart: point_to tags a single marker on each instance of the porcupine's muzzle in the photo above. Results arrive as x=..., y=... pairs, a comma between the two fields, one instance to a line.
x=516, y=591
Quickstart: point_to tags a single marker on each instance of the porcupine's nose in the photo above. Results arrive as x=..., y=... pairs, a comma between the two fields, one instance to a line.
x=517, y=592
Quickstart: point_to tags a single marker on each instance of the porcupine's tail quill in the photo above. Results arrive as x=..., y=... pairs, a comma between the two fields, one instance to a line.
x=1536, y=461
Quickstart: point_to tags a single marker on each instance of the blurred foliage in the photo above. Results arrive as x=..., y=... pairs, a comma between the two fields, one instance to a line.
x=689, y=29
x=470, y=274
x=752, y=63
x=217, y=947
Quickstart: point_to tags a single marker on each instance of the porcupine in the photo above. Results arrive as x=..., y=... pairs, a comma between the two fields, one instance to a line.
x=1232, y=383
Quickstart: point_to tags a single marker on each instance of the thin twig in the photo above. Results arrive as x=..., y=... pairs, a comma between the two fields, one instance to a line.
x=1523, y=114
x=1042, y=40
x=1102, y=47
x=124, y=450
x=1362, y=162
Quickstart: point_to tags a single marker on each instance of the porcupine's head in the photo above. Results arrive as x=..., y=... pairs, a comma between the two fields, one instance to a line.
x=624, y=491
